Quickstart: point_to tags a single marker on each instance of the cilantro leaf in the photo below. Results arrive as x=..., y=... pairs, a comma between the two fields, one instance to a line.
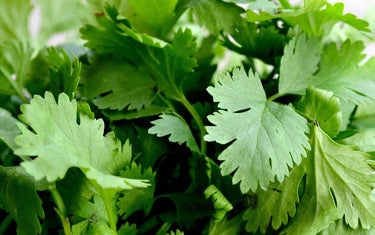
x=363, y=140
x=216, y=15
x=338, y=184
x=323, y=108
x=140, y=198
x=128, y=229
x=339, y=227
x=14, y=17
x=278, y=203
x=277, y=133
x=296, y=68
x=177, y=128
x=8, y=128
x=60, y=143
x=129, y=87
x=226, y=227
x=64, y=74
x=221, y=204
x=18, y=192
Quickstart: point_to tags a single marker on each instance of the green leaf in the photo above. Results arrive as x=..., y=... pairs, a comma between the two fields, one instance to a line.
x=276, y=132
x=364, y=140
x=140, y=198
x=8, y=128
x=122, y=85
x=221, y=204
x=278, y=203
x=216, y=15
x=313, y=18
x=323, y=108
x=18, y=193
x=339, y=182
x=60, y=143
x=339, y=227
x=177, y=128
x=155, y=13
x=128, y=229
x=64, y=74
x=340, y=72
x=226, y=227
x=296, y=68
x=94, y=210
x=14, y=17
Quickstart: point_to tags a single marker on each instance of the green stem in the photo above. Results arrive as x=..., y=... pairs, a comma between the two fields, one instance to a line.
x=285, y=4
x=275, y=96
x=61, y=210
x=112, y=217
x=5, y=224
x=15, y=86
x=198, y=120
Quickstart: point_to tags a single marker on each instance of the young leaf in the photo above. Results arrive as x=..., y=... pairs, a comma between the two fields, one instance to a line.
x=339, y=182
x=128, y=229
x=60, y=143
x=138, y=198
x=268, y=137
x=123, y=85
x=18, y=193
x=278, y=203
x=177, y=128
x=323, y=108
x=296, y=68
x=8, y=128
x=216, y=15
x=221, y=204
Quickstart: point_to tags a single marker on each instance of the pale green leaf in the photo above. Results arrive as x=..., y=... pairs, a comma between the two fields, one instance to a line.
x=232, y=226
x=323, y=108
x=60, y=143
x=339, y=227
x=275, y=205
x=221, y=204
x=339, y=182
x=8, y=128
x=177, y=128
x=364, y=140
x=268, y=137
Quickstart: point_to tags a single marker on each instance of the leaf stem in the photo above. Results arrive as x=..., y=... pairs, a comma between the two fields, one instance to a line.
x=5, y=224
x=112, y=217
x=61, y=209
x=198, y=120
x=15, y=86
x=275, y=96
x=285, y=4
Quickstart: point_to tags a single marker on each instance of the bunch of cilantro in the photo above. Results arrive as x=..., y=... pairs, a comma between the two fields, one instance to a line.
x=185, y=117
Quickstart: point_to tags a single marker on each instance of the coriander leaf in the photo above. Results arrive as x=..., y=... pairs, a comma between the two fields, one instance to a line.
x=268, y=137
x=92, y=210
x=221, y=204
x=296, y=68
x=64, y=74
x=216, y=15
x=313, y=19
x=177, y=128
x=128, y=229
x=277, y=204
x=155, y=13
x=122, y=85
x=266, y=42
x=226, y=227
x=60, y=143
x=178, y=232
x=364, y=140
x=340, y=72
x=137, y=199
x=15, y=58
x=14, y=17
x=323, y=108
x=339, y=227
x=8, y=128
x=339, y=182
x=18, y=193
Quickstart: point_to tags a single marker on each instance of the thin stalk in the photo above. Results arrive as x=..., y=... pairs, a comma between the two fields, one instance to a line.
x=198, y=120
x=61, y=210
x=5, y=224
x=112, y=217
x=275, y=96
x=285, y=4
x=15, y=86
